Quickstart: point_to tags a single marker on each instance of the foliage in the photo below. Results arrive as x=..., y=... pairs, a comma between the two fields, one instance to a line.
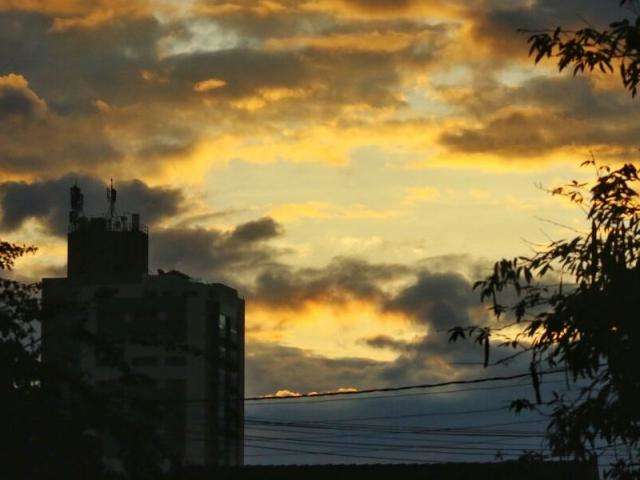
x=577, y=301
x=53, y=420
x=589, y=48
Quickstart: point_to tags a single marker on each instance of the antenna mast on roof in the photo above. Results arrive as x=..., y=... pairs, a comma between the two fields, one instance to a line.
x=111, y=197
x=77, y=205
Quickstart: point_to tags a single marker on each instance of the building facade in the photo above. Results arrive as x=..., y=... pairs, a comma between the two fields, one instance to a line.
x=186, y=337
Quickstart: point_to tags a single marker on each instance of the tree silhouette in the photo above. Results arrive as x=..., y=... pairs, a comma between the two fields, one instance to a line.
x=590, y=48
x=578, y=299
x=577, y=303
x=54, y=421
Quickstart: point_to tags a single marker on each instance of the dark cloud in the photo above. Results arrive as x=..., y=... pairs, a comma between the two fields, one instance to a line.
x=117, y=75
x=256, y=230
x=47, y=144
x=440, y=300
x=216, y=254
x=496, y=23
x=429, y=358
x=567, y=96
x=344, y=278
x=104, y=102
x=18, y=100
x=32, y=137
x=86, y=71
x=47, y=201
x=521, y=134
x=543, y=114
x=272, y=367
x=83, y=84
x=387, y=342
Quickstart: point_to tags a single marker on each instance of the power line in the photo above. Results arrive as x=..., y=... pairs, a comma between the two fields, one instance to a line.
x=420, y=451
x=311, y=401
x=316, y=425
x=482, y=431
x=338, y=454
x=496, y=440
x=394, y=417
x=401, y=388
x=404, y=447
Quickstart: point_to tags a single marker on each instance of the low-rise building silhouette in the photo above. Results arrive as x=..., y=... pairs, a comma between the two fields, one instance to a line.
x=185, y=336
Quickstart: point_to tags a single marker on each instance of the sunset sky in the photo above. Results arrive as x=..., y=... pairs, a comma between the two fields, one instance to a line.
x=351, y=166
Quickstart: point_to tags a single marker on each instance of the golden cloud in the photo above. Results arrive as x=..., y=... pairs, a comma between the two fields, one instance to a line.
x=366, y=9
x=313, y=328
x=295, y=211
x=209, y=84
x=375, y=41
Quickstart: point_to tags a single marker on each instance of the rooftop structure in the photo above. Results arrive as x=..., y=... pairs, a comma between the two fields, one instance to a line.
x=108, y=248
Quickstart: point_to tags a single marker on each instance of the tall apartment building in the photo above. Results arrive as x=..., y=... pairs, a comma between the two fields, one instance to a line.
x=148, y=319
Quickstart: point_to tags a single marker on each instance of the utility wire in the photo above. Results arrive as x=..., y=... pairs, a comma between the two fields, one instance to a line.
x=394, y=435
x=302, y=424
x=405, y=447
x=395, y=417
x=404, y=387
x=353, y=395
x=418, y=452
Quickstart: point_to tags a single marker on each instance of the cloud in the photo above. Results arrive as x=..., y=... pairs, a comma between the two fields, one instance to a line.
x=209, y=84
x=272, y=367
x=543, y=115
x=296, y=211
x=433, y=300
x=214, y=253
x=494, y=25
x=104, y=105
x=18, y=100
x=343, y=279
x=32, y=137
x=383, y=5
x=439, y=300
x=375, y=9
x=47, y=201
x=256, y=231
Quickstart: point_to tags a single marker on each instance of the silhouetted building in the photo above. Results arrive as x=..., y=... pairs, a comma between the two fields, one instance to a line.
x=147, y=321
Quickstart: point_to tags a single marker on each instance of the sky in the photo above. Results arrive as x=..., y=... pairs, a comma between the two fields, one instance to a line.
x=351, y=166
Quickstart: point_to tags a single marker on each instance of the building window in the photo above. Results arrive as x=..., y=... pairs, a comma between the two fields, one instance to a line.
x=233, y=328
x=112, y=326
x=176, y=361
x=222, y=450
x=173, y=326
x=233, y=379
x=143, y=329
x=221, y=383
x=173, y=421
x=148, y=361
x=222, y=325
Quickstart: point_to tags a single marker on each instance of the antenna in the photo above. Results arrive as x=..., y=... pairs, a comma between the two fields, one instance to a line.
x=111, y=197
x=77, y=204
x=77, y=199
